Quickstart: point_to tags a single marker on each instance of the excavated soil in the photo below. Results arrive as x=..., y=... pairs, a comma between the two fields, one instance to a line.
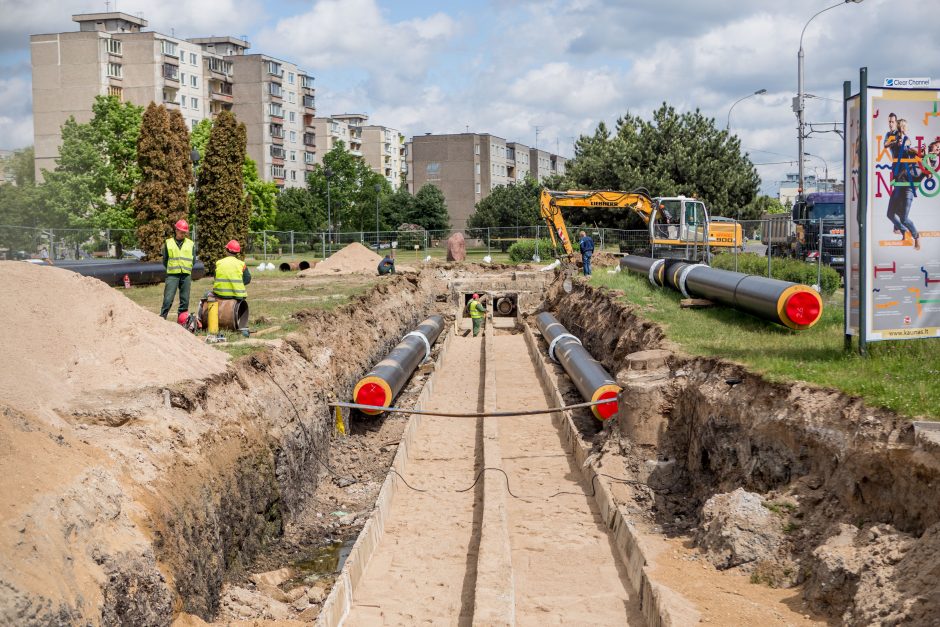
x=136, y=507
x=352, y=259
x=847, y=502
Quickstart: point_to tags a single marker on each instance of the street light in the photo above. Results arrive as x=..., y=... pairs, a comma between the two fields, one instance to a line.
x=801, y=96
x=756, y=93
x=826, y=163
x=328, y=173
x=378, y=188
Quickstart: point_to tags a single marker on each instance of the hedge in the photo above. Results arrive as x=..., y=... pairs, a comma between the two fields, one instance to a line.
x=523, y=250
x=792, y=270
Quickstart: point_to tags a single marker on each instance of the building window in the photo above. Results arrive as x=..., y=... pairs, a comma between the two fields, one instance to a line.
x=291, y=116
x=290, y=78
x=293, y=175
x=193, y=80
x=274, y=69
x=275, y=109
x=277, y=131
x=478, y=188
x=310, y=157
x=277, y=152
x=218, y=65
x=306, y=82
x=193, y=124
x=293, y=137
x=169, y=48
x=478, y=168
x=171, y=71
x=293, y=155
x=275, y=89
x=193, y=60
x=194, y=102
x=476, y=151
x=291, y=97
x=114, y=70
x=114, y=46
x=183, y=77
x=277, y=171
x=117, y=92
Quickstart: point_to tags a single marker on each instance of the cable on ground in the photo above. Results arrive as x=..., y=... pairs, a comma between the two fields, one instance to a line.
x=493, y=414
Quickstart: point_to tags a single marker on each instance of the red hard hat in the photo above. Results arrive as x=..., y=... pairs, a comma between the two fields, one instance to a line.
x=183, y=318
x=476, y=296
x=233, y=246
x=182, y=225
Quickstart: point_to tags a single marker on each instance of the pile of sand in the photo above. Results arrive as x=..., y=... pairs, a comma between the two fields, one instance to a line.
x=68, y=336
x=353, y=259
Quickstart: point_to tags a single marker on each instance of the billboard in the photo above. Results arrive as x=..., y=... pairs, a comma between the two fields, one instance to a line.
x=901, y=234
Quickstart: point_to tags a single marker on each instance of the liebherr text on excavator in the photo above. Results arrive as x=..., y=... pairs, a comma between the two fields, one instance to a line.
x=676, y=224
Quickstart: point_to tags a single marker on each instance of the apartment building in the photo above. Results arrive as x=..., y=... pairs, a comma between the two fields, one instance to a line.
x=110, y=54
x=467, y=166
x=383, y=150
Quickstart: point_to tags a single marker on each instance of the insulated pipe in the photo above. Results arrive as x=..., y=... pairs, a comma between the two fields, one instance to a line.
x=287, y=266
x=233, y=313
x=505, y=306
x=790, y=304
x=592, y=380
x=383, y=383
x=112, y=272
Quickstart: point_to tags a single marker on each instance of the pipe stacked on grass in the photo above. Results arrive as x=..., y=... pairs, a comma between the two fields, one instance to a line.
x=589, y=376
x=782, y=302
x=383, y=383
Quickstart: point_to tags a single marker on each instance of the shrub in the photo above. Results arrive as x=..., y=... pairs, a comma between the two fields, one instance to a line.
x=523, y=250
x=793, y=270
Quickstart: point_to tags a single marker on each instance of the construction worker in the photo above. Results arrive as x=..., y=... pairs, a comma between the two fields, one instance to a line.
x=477, y=314
x=178, y=256
x=586, y=244
x=387, y=265
x=231, y=274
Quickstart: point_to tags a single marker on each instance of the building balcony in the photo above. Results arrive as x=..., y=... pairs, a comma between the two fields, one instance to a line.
x=310, y=166
x=277, y=139
x=310, y=140
x=169, y=104
x=219, y=96
x=355, y=152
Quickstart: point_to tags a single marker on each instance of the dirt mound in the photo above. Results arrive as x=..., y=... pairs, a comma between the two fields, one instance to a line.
x=353, y=259
x=69, y=336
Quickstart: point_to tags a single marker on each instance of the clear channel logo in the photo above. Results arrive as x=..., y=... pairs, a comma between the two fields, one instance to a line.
x=907, y=83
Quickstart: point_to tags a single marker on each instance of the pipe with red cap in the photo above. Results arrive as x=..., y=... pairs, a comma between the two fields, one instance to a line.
x=790, y=304
x=589, y=376
x=383, y=383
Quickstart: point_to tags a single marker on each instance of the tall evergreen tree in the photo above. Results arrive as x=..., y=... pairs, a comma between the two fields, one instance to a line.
x=222, y=206
x=181, y=170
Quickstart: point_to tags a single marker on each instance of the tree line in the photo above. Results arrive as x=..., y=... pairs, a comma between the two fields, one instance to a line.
x=130, y=169
x=670, y=154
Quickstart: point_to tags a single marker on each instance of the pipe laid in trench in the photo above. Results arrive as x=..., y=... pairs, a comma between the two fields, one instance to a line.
x=782, y=302
x=589, y=376
x=383, y=383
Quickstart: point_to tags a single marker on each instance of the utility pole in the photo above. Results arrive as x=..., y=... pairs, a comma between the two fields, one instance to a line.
x=538, y=129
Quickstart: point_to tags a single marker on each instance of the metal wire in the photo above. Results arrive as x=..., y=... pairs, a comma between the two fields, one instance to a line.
x=492, y=414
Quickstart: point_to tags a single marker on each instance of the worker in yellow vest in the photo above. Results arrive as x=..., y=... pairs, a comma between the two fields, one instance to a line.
x=231, y=274
x=477, y=313
x=178, y=256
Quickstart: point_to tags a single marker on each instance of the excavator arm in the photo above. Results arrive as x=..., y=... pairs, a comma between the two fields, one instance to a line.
x=553, y=203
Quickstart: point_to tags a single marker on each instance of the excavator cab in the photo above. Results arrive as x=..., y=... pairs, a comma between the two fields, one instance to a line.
x=679, y=225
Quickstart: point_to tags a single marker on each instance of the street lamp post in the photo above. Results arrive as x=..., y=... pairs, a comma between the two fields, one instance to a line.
x=798, y=102
x=378, y=188
x=756, y=93
x=328, y=173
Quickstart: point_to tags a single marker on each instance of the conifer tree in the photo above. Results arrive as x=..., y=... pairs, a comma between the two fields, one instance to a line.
x=222, y=206
x=180, y=169
x=150, y=194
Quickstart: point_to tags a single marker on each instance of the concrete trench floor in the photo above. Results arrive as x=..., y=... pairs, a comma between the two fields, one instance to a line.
x=562, y=566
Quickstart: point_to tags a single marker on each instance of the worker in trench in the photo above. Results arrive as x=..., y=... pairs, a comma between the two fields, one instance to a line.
x=477, y=314
x=231, y=276
x=179, y=253
x=387, y=265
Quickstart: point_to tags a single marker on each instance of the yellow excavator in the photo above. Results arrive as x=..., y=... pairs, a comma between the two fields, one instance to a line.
x=676, y=224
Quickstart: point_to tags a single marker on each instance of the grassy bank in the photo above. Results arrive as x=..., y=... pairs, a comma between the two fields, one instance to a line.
x=903, y=376
x=273, y=298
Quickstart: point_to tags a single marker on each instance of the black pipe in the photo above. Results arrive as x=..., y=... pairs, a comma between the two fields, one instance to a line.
x=139, y=272
x=782, y=302
x=383, y=383
x=589, y=376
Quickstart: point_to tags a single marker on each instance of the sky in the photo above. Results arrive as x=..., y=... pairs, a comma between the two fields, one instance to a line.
x=546, y=71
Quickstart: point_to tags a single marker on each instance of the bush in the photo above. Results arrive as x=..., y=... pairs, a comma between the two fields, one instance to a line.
x=523, y=250
x=792, y=270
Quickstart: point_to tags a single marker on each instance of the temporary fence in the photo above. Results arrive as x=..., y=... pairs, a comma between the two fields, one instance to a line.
x=816, y=241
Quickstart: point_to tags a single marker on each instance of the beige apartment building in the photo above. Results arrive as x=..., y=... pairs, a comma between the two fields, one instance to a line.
x=382, y=148
x=111, y=55
x=467, y=166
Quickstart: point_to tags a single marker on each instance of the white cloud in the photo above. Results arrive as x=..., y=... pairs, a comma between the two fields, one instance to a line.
x=16, y=119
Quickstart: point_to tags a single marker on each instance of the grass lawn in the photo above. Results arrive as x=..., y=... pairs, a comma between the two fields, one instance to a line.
x=273, y=298
x=903, y=376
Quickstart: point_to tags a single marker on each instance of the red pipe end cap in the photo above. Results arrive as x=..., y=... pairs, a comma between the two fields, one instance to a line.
x=606, y=410
x=372, y=394
x=803, y=308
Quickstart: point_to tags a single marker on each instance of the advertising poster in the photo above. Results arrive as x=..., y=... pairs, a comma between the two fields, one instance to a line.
x=903, y=225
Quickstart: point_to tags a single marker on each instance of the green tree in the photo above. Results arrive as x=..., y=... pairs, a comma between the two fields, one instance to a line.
x=223, y=208
x=516, y=204
x=397, y=208
x=669, y=155
x=97, y=170
x=263, y=196
x=297, y=211
x=162, y=195
x=761, y=205
x=351, y=189
x=21, y=166
x=430, y=209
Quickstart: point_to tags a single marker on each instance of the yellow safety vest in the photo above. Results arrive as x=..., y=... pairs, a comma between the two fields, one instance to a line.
x=476, y=309
x=179, y=258
x=228, y=278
